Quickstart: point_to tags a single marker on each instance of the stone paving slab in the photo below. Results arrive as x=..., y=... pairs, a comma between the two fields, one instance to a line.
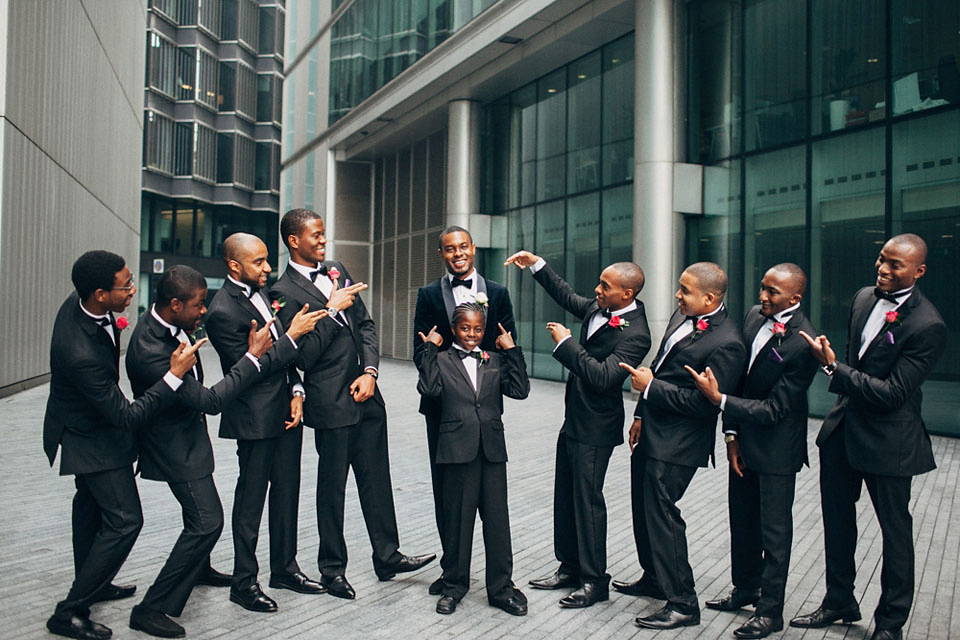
x=36, y=561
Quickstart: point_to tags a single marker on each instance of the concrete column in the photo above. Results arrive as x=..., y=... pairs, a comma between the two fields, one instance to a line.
x=463, y=162
x=657, y=230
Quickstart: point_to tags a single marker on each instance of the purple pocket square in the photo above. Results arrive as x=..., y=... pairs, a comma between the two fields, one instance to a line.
x=888, y=336
x=776, y=357
x=347, y=282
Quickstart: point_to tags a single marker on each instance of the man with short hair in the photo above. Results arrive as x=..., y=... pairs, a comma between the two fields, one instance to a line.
x=343, y=405
x=874, y=434
x=435, y=304
x=674, y=426
x=614, y=331
x=91, y=422
x=265, y=423
x=765, y=427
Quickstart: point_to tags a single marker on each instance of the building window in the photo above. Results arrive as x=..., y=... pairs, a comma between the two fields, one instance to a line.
x=246, y=103
x=248, y=27
x=268, y=88
x=187, y=12
x=224, y=157
x=186, y=73
x=267, y=176
x=207, y=79
x=271, y=31
x=208, y=16
x=162, y=64
x=925, y=55
x=227, y=95
x=167, y=8
x=244, y=161
x=183, y=149
x=158, y=143
x=205, y=153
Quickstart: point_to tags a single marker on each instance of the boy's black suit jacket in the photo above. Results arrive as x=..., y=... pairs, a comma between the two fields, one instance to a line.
x=471, y=419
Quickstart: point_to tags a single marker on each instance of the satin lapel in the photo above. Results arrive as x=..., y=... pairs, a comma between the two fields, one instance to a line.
x=308, y=287
x=774, y=342
x=446, y=291
x=903, y=312
x=484, y=373
x=585, y=324
x=861, y=313
x=115, y=343
x=163, y=334
x=459, y=366
x=712, y=321
x=675, y=321
x=482, y=285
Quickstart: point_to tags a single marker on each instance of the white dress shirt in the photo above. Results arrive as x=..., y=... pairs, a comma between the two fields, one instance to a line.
x=877, y=319
x=470, y=364
x=324, y=285
x=766, y=331
x=464, y=294
x=681, y=332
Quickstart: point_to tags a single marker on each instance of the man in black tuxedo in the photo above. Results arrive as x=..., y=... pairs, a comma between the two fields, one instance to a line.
x=343, y=404
x=614, y=330
x=90, y=420
x=435, y=304
x=765, y=427
x=674, y=426
x=175, y=447
x=874, y=434
x=265, y=423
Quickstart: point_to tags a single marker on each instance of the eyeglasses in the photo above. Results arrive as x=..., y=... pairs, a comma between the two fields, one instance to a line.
x=128, y=287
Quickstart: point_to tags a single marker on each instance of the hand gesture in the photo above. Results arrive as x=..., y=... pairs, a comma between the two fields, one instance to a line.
x=635, y=429
x=432, y=336
x=504, y=340
x=557, y=331
x=296, y=412
x=362, y=388
x=342, y=298
x=821, y=348
x=639, y=377
x=184, y=357
x=522, y=259
x=707, y=384
x=305, y=321
x=734, y=457
x=259, y=341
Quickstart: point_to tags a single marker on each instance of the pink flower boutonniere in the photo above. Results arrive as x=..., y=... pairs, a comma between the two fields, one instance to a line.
x=779, y=332
x=699, y=328
x=334, y=273
x=618, y=323
x=277, y=304
x=122, y=323
x=482, y=357
x=891, y=319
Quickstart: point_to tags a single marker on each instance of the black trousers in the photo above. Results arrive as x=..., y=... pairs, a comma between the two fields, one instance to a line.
x=106, y=522
x=436, y=476
x=761, y=534
x=469, y=488
x=579, y=510
x=190, y=557
x=840, y=486
x=271, y=464
x=659, y=529
x=362, y=446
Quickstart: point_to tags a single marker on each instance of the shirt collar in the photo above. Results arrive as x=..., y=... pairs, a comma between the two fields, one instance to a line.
x=302, y=269
x=245, y=287
x=714, y=312
x=459, y=348
x=156, y=316
x=473, y=274
x=627, y=309
x=786, y=314
x=95, y=317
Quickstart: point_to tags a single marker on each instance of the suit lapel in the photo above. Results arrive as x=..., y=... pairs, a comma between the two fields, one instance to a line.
x=446, y=292
x=691, y=337
x=98, y=335
x=676, y=320
x=454, y=355
x=903, y=312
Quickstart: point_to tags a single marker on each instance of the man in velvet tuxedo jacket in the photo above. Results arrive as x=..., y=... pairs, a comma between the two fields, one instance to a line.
x=765, y=427
x=435, y=304
x=265, y=422
x=614, y=330
x=673, y=433
x=343, y=405
x=90, y=421
x=875, y=435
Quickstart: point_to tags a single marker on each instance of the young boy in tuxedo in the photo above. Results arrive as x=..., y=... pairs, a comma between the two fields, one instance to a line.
x=469, y=385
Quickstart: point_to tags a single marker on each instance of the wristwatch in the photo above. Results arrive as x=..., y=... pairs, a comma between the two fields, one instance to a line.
x=333, y=312
x=730, y=437
x=372, y=373
x=829, y=368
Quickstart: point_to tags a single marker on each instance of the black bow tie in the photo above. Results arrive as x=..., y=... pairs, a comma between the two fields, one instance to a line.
x=889, y=297
x=469, y=354
x=252, y=292
x=783, y=320
x=606, y=313
x=693, y=319
x=457, y=282
x=103, y=322
x=320, y=271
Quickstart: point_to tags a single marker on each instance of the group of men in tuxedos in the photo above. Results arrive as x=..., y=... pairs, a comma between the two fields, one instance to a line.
x=755, y=376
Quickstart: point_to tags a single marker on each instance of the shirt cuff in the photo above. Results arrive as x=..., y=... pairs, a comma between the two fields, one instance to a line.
x=562, y=340
x=297, y=387
x=292, y=341
x=723, y=401
x=172, y=381
x=539, y=264
x=374, y=369
x=253, y=359
x=646, y=392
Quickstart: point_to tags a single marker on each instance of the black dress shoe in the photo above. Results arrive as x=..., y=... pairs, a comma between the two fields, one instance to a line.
x=436, y=587
x=447, y=605
x=253, y=599
x=558, y=580
x=513, y=602
x=759, y=627
x=213, y=578
x=154, y=623
x=646, y=587
x=405, y=564
x=668, y=618
x=824, y=617
x=736, y=599
x=887, y=634
x=586, y=596
x=338, y=587
x=77, y=627
x=297, y=582
x=114, y=592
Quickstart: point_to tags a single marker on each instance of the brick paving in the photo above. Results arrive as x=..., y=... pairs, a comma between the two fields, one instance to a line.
x=36, y=561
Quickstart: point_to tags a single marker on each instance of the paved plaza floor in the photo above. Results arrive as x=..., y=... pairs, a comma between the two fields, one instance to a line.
x=36, y=563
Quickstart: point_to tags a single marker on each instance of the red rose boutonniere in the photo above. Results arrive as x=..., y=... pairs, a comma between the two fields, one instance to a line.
x=334, y=273
x=122, y=323
x=891, y=319
x=779, y=331
x=482, y=357
x=276, y=305
x=699, y=328
x=618, y=323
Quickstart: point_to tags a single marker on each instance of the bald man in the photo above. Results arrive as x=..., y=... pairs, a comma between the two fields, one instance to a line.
x=265, y=422
x=765, y=430
x=875, y=435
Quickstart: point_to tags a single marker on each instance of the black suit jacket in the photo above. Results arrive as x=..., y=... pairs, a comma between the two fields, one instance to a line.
x=769, y=410
x=470, y=419
x=174, y=444
x=435, y=305
x=261, y=411
x=679, y=424
x=594, y=396
x=332, y=356
x=87, y=415
x=879, y=396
